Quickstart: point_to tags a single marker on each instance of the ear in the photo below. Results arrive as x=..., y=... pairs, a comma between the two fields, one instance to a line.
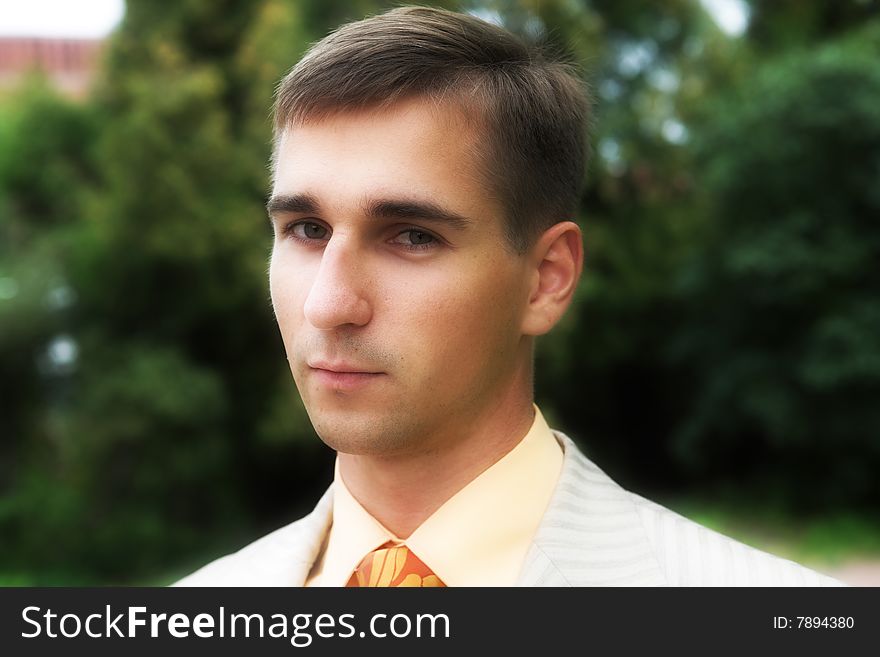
x=556, y=259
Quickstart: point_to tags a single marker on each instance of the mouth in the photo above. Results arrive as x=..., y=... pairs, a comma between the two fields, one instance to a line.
x=341, y=377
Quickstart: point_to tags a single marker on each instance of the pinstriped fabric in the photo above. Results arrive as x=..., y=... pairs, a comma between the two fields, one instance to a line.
x=594, y=533
x=692, y=555
x=591, y=534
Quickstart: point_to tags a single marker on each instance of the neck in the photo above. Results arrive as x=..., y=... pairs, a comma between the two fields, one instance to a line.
x=401, y=492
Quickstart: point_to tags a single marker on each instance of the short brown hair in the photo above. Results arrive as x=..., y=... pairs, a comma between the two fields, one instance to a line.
x=535, y=109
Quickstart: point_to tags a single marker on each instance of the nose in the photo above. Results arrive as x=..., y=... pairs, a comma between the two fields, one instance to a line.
x=338, y=293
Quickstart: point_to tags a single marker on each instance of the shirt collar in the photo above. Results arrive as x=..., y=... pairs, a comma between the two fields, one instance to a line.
x=479, y=537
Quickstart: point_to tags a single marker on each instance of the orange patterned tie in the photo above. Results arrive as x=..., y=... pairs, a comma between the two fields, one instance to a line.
x=393, y=565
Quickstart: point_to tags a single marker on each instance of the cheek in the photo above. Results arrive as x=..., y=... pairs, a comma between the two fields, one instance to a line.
x=464, y=323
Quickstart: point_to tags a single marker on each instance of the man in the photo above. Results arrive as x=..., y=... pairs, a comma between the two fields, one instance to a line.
x=427, y=169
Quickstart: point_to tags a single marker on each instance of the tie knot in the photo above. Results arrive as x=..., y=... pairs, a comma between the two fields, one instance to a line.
x=392, y=566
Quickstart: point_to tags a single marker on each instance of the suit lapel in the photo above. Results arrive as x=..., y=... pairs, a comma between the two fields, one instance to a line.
x=591, y=534
x=303, y=548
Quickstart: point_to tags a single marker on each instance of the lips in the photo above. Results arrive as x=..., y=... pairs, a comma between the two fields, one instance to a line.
x=343, y=377
x=341, y=368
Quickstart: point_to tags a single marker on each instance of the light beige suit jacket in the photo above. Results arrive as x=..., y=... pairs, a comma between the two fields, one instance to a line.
x=594, y=533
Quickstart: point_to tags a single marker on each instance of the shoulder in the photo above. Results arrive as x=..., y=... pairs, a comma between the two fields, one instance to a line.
x=684, y=552
x=281, y=558
x=692, y=555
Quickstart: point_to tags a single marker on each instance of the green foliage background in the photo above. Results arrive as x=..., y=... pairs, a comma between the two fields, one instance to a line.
x=726, y=335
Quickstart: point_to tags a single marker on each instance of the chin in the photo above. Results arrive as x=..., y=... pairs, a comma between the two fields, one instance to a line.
x=355, y=433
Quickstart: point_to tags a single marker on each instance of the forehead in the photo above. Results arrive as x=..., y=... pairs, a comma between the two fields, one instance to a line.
x=414, y=117
x=411, y=148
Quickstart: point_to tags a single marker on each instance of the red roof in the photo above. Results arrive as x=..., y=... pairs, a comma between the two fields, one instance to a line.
x=70, y=64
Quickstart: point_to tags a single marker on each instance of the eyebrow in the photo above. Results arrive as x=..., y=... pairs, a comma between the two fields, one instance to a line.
x=292, y=204
x=413, y=209
x=374, y=209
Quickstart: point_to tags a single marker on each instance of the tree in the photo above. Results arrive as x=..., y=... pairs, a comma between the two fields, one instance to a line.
x=783, y=331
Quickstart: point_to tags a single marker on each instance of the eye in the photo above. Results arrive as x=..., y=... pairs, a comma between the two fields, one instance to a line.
x=307, y=231
x=416, y=239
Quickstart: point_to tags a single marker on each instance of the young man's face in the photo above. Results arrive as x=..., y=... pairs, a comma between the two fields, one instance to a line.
x=398, y=299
